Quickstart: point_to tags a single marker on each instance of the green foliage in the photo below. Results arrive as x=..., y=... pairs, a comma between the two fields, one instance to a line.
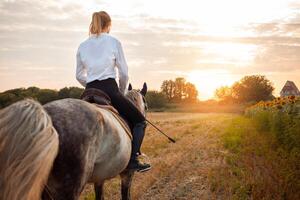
x=179, y=90
x=279, y=121
x=234, y=133
x=263, y=158
x=249, y=89
x=224, y=94
x=281, y=117
x=42, y=95
x=70, y=92
x=156, y=99
x=262, y=121
x=7, y=98
x=46, y=95
x=253, y=88
x=11, y=96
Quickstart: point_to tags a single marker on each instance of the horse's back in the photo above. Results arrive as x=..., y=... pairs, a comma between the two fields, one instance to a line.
x=77, y=123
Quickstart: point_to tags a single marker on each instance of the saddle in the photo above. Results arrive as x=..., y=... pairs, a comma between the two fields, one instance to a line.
x=102, y=100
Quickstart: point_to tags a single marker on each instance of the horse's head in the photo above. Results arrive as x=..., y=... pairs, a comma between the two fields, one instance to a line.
x=137, y=97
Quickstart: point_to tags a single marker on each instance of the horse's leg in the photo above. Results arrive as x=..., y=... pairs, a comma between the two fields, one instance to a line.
x=99, y=195
x=126, y=178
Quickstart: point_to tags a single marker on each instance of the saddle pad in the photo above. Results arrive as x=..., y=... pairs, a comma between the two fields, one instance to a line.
x=115, y=113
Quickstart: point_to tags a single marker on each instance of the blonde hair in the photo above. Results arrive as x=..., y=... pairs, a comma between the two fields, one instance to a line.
x=100, y=21
x=28, y=147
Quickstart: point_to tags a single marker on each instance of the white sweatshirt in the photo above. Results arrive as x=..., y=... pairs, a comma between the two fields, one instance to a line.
x=97, y=59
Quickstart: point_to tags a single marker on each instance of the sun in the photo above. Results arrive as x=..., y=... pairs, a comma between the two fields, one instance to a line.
x=208, y=81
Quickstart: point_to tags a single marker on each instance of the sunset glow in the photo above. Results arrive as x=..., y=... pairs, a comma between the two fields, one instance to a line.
x=210, y=43
x=208, y=81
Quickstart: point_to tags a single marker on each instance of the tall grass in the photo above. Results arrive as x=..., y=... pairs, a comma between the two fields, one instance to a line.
x=263, y=158
x=281, y=118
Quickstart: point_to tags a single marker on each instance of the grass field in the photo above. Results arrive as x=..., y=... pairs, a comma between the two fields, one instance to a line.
x=216, y=156
x=177, y=166
x=202, y=107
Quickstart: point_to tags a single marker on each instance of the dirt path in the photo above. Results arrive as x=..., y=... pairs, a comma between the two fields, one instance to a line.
x=181, y=170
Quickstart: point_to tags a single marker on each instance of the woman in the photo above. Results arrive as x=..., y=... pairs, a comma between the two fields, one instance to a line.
x=97, y=60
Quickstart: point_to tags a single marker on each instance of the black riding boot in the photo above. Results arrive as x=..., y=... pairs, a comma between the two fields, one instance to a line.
x=138, y=135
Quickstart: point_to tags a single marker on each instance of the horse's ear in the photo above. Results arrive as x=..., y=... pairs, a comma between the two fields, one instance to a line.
x=129, y=87
x=144, y=90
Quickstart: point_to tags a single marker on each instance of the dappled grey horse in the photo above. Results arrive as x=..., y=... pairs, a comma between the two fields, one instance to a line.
x=93, y=147
x=88, y=144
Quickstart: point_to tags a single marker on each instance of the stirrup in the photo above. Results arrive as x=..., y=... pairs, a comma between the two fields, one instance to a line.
x=144, y=170
x=144, y=159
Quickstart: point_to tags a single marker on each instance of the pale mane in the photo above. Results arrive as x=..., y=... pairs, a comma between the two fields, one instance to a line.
x=28, y=146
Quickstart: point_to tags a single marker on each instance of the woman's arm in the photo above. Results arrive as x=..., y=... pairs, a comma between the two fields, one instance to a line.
x=122, y=68
x=80, y=70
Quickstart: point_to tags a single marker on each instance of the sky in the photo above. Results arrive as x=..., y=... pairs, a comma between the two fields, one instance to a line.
x=211, y=43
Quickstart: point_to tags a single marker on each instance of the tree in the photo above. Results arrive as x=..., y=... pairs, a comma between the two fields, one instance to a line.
x=46, y=95
x=168, y=89
x=252, y=89
x=224, y=94
x=70, y=92
x=191, y=92
x=156, y=99
x=75, y=92
x=179, y=90
x=42, y=95
x=11, y=96
x=7, y=98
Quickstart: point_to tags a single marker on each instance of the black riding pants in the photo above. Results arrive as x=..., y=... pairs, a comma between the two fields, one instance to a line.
x=124, y=106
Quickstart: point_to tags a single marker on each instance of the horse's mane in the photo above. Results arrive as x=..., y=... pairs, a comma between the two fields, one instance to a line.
x=28, y=146
x=131, y=94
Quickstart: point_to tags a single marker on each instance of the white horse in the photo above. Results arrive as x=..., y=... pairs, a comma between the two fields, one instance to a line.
x=52, y=151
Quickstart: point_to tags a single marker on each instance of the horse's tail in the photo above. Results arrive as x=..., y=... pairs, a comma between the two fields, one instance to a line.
x=28, y=147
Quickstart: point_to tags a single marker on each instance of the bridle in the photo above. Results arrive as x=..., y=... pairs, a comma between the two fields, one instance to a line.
x=134, y=100
x=145, y=102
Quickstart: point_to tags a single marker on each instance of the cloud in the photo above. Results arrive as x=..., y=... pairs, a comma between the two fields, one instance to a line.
x=41, y=38
x=277, y=29
x=279, y=44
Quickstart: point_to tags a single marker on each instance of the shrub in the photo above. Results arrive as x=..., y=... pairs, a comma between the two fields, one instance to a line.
x=280, y=117
x=156, y=99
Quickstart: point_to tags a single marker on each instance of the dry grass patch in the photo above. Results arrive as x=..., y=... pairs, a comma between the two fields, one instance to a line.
x=179, y=170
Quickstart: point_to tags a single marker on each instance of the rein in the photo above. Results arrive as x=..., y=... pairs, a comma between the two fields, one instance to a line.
x=171, y=139
x=48, y=192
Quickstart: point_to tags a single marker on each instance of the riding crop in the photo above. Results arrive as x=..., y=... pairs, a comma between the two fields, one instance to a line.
x=171, y=139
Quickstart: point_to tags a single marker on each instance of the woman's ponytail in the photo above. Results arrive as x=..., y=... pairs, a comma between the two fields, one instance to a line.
x=100, y=21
